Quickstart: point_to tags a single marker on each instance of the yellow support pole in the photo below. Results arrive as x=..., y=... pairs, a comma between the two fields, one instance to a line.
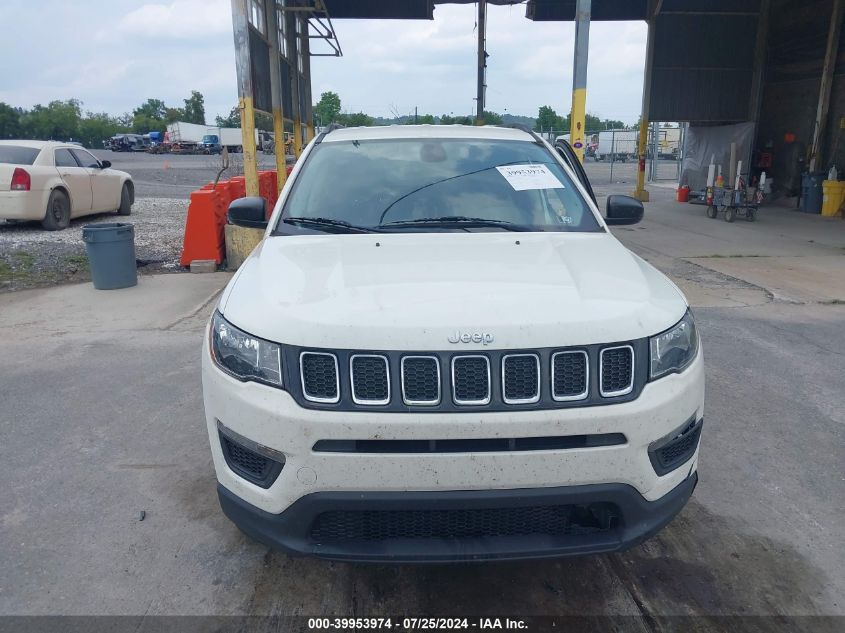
x=640, y=192
x=279, y=148
x=297, y=136
x=248, y=142
x=578, y=116
x=240, y=28
x=274, y=29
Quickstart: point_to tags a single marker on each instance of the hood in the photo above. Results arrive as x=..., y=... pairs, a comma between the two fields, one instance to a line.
x=413, y=291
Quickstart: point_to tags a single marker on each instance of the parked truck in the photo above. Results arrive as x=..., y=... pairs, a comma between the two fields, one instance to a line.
x=617, y=145
x=189, y=138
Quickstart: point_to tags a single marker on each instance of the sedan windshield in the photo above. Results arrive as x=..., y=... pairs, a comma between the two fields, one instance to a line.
x=427, y=185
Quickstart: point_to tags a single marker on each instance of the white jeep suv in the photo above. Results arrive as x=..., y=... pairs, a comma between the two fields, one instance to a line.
x=439, y=352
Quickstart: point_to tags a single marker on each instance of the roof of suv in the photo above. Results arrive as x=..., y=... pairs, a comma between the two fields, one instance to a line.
x=487, y=132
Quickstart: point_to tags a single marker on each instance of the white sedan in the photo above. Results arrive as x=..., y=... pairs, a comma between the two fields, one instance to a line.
x=54, y=182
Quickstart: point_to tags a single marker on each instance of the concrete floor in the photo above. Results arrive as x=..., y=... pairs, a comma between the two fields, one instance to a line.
x=101, y=418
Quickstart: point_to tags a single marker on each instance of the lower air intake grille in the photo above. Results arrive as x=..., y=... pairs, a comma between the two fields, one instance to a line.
x=260, y=470
x=670, y=452
x=370, y=379
x=420, y=380
x=617, y=370
x=319, y=377
x=471, y=379
x=380, y=525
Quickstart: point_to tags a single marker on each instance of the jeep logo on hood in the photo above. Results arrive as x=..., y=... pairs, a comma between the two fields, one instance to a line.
x=475, y=337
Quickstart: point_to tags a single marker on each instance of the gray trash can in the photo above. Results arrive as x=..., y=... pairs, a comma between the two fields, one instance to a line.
x=111, y=254
x=811, y=191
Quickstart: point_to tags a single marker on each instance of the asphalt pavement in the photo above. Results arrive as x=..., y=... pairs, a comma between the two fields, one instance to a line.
x=101, y=425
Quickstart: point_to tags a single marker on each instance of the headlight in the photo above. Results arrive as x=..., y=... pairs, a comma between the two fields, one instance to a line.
x=243, y=355
x=675, y=348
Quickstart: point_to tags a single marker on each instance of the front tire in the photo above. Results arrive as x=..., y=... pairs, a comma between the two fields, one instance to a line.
x=711, y=212
x=125, y=201
x=57, y=216
x=730, y=214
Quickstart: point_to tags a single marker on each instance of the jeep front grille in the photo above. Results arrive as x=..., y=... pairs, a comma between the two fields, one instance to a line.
x=370, y=379
x=545, y=378
x=617, y=371
x=471, y=380
x=570, y=375
x=320, y=377
x=520, y=378
x=420, y=380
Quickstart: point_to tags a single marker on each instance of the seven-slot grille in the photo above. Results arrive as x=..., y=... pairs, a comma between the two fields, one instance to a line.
x=617, y=371
x=570, y=375
x=471, y=380
x=370, y=379
x=522, y=378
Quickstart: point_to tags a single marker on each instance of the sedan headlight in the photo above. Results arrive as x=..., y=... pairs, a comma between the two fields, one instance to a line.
x=674, y=349
x=243, y=355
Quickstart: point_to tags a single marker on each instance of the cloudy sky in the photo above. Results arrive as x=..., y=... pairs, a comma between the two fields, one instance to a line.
x=114, y=54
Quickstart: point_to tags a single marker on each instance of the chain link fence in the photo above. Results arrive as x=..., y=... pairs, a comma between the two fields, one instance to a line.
x=610, y=156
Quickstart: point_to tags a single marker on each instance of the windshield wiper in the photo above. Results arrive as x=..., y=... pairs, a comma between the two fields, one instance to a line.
x=457, y=220
x=322, y=223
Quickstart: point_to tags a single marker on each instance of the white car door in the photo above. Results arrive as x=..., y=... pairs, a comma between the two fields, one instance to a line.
x=105, y=185
x=77, y=179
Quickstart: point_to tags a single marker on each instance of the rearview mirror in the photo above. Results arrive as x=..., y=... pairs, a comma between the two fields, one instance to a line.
x=105, y=164
x=249, y=212
x=623, y=210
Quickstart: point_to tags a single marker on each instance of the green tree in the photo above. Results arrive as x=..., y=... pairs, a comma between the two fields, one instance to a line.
x=355, y=119
x=174, y=114
x=327, y=109
x=58, y=120
x=149, y=117
x=195, y=108
x=233, y=120
x=10, y=121
x=446, y=119
x=94, y=128
x=422, y=119
x=491, y=118
x=548, y=119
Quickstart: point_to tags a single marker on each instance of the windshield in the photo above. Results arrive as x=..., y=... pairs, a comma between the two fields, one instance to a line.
x=17, y=155
x=434, y=185
x=209, y=138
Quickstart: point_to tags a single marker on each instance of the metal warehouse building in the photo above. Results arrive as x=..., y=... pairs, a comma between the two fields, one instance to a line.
x=774, y=64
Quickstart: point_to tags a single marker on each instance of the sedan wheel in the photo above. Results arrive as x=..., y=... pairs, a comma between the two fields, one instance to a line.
x=125, y=202
x=58, y=212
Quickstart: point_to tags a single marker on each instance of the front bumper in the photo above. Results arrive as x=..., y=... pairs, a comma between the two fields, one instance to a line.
x=291, y=531
x=280, y=513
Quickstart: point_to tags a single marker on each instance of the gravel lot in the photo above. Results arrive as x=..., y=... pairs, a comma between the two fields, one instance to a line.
x=32, y=257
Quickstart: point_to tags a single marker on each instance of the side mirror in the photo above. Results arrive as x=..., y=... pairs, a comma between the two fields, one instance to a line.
x=249, y=212
x=105, y=164
x=623, y=210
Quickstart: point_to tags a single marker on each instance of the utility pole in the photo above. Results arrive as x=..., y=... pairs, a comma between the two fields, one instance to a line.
x=482, y=59
x=577, y=133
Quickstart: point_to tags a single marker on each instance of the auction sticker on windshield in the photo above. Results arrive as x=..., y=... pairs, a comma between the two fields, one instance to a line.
x=524, y=177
